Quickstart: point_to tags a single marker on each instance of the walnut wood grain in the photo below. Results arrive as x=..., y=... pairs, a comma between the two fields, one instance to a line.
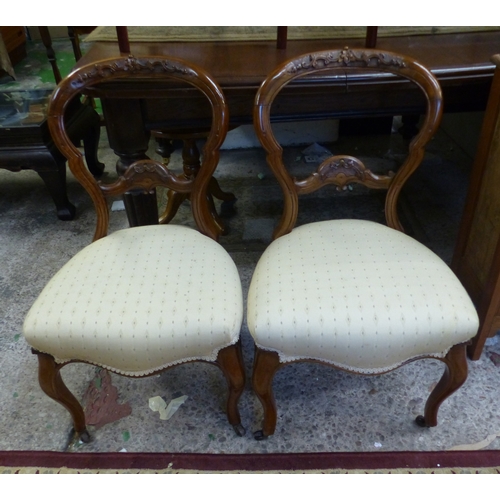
x=145, y=175
x=266, y=364
x=454, y=376
x=230, y=361
x=51, y=382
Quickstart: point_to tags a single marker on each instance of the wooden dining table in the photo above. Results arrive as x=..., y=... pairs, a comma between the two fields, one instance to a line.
x=461, y=62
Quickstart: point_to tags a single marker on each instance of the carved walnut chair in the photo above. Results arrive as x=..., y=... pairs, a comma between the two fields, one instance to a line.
x=25, y=143
x=353, y=294
x=126, y=302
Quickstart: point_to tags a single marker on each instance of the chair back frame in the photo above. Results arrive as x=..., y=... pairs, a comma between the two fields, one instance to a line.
x=341, y=170
x=146, y=174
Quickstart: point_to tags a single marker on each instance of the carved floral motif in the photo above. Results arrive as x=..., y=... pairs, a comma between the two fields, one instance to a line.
x=344, y=165
x=344, y=58
x=133, y=65
x=146, y=175
x=343, y=170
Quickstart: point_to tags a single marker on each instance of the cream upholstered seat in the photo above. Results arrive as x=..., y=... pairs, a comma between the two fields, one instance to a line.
x=131, y=313
x=354, y=294
x=145, y=298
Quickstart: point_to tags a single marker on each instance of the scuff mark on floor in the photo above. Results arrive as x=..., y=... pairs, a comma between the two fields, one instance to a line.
x=101, y=401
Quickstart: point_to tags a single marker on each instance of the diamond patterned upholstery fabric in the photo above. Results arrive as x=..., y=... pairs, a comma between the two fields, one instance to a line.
x=356, y=294
x=119, y=304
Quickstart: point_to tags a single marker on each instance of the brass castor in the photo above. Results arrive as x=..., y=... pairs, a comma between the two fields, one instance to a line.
x=259, y=435
x=239, y=429
x=85, y=436
x=75, y=438
x=420, y=421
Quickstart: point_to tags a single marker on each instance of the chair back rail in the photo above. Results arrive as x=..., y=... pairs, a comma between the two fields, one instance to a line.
x=157, y=68
x=341, y=170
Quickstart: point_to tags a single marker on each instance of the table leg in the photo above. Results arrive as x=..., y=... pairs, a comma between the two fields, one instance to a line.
x=91, y=143
x=191, y=166
x=84, y=125
x=55, y=180
x=129, y=139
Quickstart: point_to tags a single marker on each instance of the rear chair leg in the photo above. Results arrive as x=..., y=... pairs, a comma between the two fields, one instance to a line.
x=455, y=374
x=52, y=384
x=265, y=365
x=230, y=361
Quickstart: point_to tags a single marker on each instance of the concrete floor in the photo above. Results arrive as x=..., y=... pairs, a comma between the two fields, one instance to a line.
x=320, y=409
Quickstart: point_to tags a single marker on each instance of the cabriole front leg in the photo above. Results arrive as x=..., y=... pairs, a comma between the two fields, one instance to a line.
x=455, y=374
x=266, y=363
x=55, y=181
x=230, y=361
x=52, y=384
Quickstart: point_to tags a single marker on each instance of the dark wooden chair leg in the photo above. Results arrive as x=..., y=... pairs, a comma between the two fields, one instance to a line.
x=230, y=361
x=174, y=201
x=266, y=363
x=51, y=55
x=455, y=374
x=55, y=181
x=141, y=208
x=52, y=384
x=216, y=191
x=191, y=166
x=164, y=147
x=75, y=42
x=222, y=229
x=410, y=126
x=91, y=146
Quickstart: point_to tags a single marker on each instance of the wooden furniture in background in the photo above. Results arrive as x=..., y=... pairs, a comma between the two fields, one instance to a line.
x=191, y=163
x=74, y=33
x=461, y=62
x=476, y=259
x=25, y=141
x=51, y=55
x=370, y=37
x=6, y=70
x=281, y=37
x=123, y=43
x=167, y=137
x=15, y=41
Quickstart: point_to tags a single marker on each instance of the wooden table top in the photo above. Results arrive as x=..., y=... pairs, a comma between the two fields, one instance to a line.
x=240, y=64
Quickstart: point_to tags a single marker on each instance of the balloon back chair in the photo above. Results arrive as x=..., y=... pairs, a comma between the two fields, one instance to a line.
x=354, y=294
x=142, y=299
